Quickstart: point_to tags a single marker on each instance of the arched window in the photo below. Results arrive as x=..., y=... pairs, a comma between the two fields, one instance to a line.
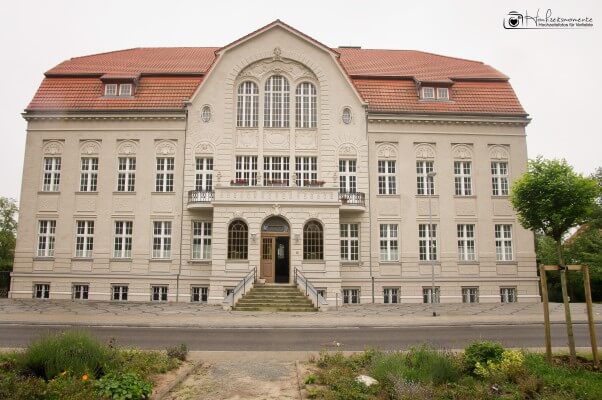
x=306, y=106
x=247, y=105
x=276, y=107
x=238, y=241
x=313, y=241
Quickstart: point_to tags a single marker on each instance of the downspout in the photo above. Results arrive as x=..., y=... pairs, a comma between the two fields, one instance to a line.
x=369, y=210
x=183, y=205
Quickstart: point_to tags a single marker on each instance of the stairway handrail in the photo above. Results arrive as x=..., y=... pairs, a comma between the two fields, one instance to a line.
x=310, y=290
x=242, y=284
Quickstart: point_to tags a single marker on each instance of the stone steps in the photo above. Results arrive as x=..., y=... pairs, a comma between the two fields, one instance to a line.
x=274, y=298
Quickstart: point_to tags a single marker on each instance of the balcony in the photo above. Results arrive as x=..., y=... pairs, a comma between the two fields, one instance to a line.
x=276, y=195
x=198, y=199
x=352, y=201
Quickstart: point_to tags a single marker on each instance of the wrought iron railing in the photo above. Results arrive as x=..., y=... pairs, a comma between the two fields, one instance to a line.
x=200, y=196
x=310, y=291
x=242, y=287
x=353, y=198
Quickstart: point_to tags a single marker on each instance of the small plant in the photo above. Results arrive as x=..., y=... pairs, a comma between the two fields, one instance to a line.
x=126, y=386
x=312, y=393
x=482, y=352
x=310, y=380
x=510, y=367
x=180, y=352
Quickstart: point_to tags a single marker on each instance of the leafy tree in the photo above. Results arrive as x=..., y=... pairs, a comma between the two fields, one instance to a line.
x=8, y=232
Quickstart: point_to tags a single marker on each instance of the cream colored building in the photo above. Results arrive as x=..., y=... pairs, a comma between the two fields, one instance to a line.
x=170, y=174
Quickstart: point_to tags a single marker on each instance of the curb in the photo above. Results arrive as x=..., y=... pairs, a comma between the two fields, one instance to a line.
x=179, y=379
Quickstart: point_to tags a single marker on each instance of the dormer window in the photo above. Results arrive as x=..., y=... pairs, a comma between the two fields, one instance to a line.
x=118, y=89
x=428, y=93
x=125, y=89
x=442, y=93
x=111, y=89
x=435, y=93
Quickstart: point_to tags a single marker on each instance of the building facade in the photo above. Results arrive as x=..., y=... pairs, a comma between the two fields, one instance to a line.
x=167, y=174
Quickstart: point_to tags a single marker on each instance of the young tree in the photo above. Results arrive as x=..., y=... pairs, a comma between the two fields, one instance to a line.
x=8, y=232
x=551, y=198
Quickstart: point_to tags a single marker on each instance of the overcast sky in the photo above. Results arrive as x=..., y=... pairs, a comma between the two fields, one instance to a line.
x=556, y=73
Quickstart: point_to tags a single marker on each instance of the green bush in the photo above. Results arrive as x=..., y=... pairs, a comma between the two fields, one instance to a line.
x=143, y=363
x=180, y=352
x=481, y=352
x=73, y=351
x=69, y=388
x=126, y=386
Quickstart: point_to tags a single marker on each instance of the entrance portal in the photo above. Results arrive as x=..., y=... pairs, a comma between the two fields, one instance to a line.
x=275, y=251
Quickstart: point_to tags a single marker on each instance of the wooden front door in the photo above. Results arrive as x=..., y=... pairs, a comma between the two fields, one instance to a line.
x=267, y=259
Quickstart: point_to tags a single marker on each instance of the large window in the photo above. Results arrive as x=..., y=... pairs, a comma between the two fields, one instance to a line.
x=427, y=242
x=203, y=180
x=246, y=170
x=161, y=239
x=503, y=242
x=428, y=297
x=386, y=177
x=466, y=242
x=89, y=174
x=307, y=170
x=247, y=115
x=84, y=239
x=306, y=106
x=164, y=174
x=508, y=294
x=159, y=293
x=351, y=296
x=499, y=178
x=199, y=294
x=463, y=178
x=425, y=183
x=122, y=247
x=276, y=171
x=276, y=106
x=46, y=235
x=41, y=291
x=79, y=291
x=313, y=241
x=120, y=292
x=52, y=174
x=238, y=241
x=389, y=242
x=347, y=177
x=470, y=295
x=350, y=242
x=391, y=295
x=201, y=240
x=126, y=175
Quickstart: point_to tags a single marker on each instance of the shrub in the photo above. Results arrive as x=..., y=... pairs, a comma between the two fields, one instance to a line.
x=408, y=390
x=180, y=352
x=126, y=386
x=482, y=352
x=143, y=363
x=76, y=352
x=510, y=367
x=66, y=387
x=310, y=380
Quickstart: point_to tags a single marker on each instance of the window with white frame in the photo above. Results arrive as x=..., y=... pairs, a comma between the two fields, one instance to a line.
x=52, y=174
x=503, y=242
x=276, y=105
x=387, y=183
x=313, y=241
x=306, y=169
x=470, y=295
x=159, y=293
x=463, y=178
x=111, y=89
x=442, y=93
x=203, y=179
x=89, y=174
x=122, y=247
x=125, y=89
x=126, y=174
x=391, y=295
x=164, y=174
x=199, y=294
x=351, y=296
x=347, y=176
x=247, y=115
x=161, y=239
x=41, y=291
x=114, y=89
x=201, y=240
x=120, y=292
x=389, y=244
x=350, y=242
x=276, y=171
x=428, y=92
x=466, y=242
x=427, y=242
x=306, y=106
x=46, y=236
x=84, y=239
x=79, y=291
x=246, y=170
x=499, y=178
x=425, y=183
x=508, y=294
x=238, y=240
x=427, y=295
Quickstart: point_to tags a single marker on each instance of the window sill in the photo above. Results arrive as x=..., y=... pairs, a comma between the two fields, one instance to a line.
x=462, y=196
x=468, y=263
x=161, y=260
x=42, y=258
x=314, y=129
x=236, y=261
x=116, y=192
x=397, y=262
x=121, y=259
x=429, y=262
x=506, y=263
x=199, y=261
x=388, y=195
x=426, y=196
x=44, y=192
x=350, y=263
x=82, y=259
x=164, y=193
x=500, y=197
x=313, y=262
x=79, y=192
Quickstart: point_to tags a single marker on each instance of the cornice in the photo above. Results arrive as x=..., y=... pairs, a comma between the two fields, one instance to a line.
x=438, y=119
x=103, y=117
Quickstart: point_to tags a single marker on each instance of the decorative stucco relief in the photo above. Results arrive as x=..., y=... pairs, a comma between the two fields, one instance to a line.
x=386, y=150
x=165, y=148
x=204, y=148
x=126, y=147
x=246, y=139
x=347, y=150
x=90, y=147
x=53, y=147
x=276, y=139
x=497, y=152
x=424, y=150
x=276, y=65
x=462, y=151
x=306, y=140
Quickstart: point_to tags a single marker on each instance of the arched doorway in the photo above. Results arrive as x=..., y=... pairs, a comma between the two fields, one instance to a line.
x=275, y=251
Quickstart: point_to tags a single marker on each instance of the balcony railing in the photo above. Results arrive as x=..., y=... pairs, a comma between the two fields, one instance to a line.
x=353, y=198
x=200, y=196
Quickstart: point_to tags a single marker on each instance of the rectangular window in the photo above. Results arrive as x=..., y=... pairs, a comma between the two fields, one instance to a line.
x=80, y=291
x=126, y=174
x=386, y=177
x=349, y=242
x=164, y=174
x=389, y=242
x=307, y=170
x=463, y=178
x=201, y=240
x=161, y=239
x=228, y=291
x=391, y=295
x=442, y=93
x=503, y=242
x=89, y=174
x=158, y=293
x=322, y=292
x=46, y=236
x=427, y=242
x=499, y=178
x=199, y=294
x=52, y=174
x=120, y=292
x=466, y=242
x=41, y=291
x=203, y=180
x=427, y=295
x=425, y=183
x=428, y=92
x=84, y=239
x=125, y=89
x=246, y=170
x=351, y=296
x=508, y=294
x=470, y=295
x=347, y=177
x=123, y=239
x=276, y=171
x=111, y=89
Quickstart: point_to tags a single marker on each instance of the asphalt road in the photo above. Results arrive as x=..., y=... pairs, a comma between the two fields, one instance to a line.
x=310, y=339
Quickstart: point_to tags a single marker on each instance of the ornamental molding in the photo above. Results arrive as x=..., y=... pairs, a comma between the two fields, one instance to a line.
x=462, y=151
x=498, y=152
x=425, y=121
x=165, y=148
x=424, y=151
x=90, y=147
x=306, y=139
x=386, y=150
x=52, y=147
x=126, y=147
x=292, y=69
x=29, y=117
x=276, y=139
x=347, y=150
x=204, y=148
x=246, y=139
